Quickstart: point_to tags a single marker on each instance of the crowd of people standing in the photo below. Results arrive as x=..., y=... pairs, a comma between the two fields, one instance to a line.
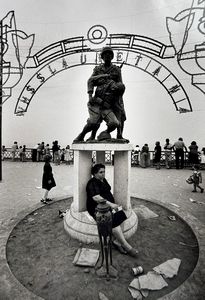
x=173, y=154
x=56, y=153
x=175, y=151
x=40, y=151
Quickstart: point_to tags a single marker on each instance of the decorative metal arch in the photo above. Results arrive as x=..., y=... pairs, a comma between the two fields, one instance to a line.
x=129, y=49
x=190, y=57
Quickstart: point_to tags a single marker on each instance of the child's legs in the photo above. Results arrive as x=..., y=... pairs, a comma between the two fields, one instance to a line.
x=199, y=187
x=45, y=195
x=195, y=186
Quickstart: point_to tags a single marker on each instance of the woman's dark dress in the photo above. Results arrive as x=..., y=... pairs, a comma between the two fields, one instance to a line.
x=157, y=156
x=97, y=187
x=193, y=154
x=48, y=181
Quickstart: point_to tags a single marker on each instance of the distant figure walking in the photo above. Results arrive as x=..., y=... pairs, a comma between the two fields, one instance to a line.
x=196, y=179
x=48, y=181
x=179, y=147
x=145, y=156
x=168, y=154
x=68, y=158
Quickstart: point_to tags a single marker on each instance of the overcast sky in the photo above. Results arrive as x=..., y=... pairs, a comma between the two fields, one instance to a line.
x=58, y=110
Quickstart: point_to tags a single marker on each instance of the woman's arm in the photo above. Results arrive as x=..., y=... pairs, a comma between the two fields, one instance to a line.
x=100, y=199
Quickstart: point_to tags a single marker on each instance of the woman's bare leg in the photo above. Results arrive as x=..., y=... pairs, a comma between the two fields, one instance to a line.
x=118, y=234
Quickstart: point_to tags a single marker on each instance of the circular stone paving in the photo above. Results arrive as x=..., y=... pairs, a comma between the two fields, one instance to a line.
x=40, y=254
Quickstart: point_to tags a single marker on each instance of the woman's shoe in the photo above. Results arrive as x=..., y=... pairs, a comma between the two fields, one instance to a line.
x=61, y=213
x=48, y=199
x=132, y=252
x=119, y=248
x=43, y=201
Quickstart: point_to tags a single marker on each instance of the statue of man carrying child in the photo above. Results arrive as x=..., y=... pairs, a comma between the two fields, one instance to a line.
x=107, y=102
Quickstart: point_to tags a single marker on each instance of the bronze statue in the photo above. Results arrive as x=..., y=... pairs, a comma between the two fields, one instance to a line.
x=107, y=102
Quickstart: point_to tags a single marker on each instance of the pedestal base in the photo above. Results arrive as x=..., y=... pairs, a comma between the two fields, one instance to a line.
x=81, y=226
x=102, y=272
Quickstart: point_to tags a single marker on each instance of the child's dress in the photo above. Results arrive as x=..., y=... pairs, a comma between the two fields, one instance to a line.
x=48, y=182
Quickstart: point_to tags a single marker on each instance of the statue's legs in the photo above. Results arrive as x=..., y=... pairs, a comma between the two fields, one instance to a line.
x=87, y=128
x=120, y=130
x=93, y=132
x=121, y=117
x=93, y=123
x=111, y=122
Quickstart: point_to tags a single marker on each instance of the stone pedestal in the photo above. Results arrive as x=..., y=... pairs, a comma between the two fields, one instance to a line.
x=77, y=222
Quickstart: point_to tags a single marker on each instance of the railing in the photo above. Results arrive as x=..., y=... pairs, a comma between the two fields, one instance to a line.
x=135, y=161
x=109, y=157
x=28, y=155
x=7, y=154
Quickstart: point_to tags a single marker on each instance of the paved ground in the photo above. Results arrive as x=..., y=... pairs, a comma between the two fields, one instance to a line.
x=20, y=193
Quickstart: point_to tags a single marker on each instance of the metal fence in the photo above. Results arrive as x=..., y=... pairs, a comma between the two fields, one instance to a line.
x=109, y=157
x=135, y=160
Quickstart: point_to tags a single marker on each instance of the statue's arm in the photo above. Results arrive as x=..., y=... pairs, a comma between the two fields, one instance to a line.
x=92, y=81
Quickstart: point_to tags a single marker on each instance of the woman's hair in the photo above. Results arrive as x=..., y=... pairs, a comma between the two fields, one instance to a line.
x=96, y=168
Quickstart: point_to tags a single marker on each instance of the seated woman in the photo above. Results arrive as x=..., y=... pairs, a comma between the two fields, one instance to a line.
x=98, y=190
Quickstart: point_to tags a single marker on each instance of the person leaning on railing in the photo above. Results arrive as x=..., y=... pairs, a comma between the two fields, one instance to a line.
x=168, y=154
x=179, y=148
x=145, y=156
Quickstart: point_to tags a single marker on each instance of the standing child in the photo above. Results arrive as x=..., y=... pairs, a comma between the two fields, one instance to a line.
x=48, y=181
x=13, y=150
x=196, y=178
x=24, y=153
x=168, y=154
x=21, y=153
x=68, y=158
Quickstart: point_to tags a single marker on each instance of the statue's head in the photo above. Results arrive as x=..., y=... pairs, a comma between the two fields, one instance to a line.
x=107, y=50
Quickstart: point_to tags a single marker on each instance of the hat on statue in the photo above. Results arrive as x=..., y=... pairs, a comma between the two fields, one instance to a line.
x=107, y=49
